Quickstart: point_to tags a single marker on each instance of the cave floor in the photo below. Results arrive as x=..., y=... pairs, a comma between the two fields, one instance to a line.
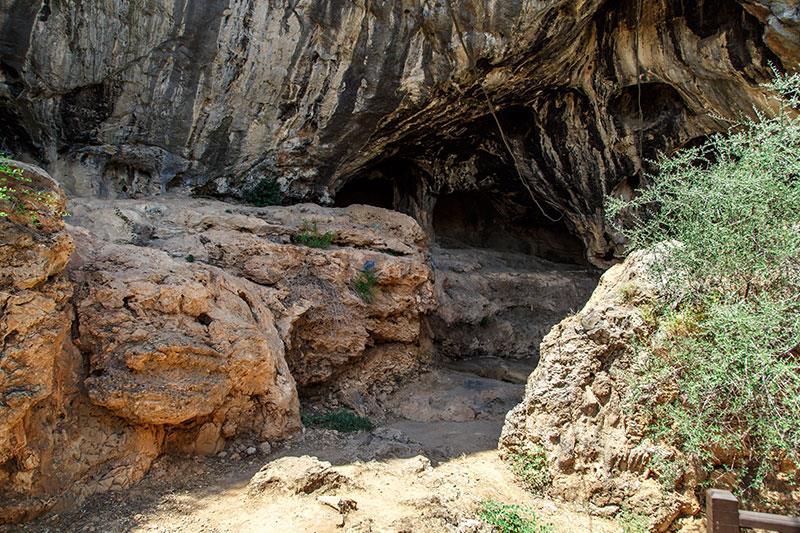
x=426, y=467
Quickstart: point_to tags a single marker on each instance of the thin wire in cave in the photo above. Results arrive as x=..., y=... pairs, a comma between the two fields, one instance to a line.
x=637, y=39
x=490, y=104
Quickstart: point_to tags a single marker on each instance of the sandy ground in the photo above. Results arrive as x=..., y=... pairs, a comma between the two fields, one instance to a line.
x=426, y=468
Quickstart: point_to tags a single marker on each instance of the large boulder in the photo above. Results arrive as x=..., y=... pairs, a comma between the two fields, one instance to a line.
x=574, y=411
x=333, y=335
x=169, y=343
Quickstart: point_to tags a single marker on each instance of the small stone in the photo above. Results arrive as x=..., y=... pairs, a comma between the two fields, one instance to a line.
x=222, y=455
x=469, y=525
x=265, y=448
x=250, y=451
x=235, y=457
x=343, y=505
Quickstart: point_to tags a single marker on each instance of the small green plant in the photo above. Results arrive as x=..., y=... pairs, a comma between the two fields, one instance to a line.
x=366, y=281
x=23, y=202
x=632, y=522
x=8, y=193
x=310, y=236
x=342, y=420
x=506, y=518
x=190, y=258
x=264, y=193
x=628, y=293
x=531, y=469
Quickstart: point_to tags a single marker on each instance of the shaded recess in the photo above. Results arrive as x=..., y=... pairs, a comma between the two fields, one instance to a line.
x=476, y=219
x=650, y=110
x=367, y=190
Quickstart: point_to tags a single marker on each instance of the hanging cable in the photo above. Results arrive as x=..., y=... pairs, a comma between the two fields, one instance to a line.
x=637, y=39
x=490, y=104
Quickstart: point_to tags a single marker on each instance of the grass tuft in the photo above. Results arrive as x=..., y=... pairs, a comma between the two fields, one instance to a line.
x=512, y=518
x=310, y=236
x=531, y=469
x=342, y=420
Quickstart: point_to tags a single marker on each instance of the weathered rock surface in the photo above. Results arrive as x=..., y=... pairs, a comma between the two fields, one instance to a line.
x=175, y=344
x=297, y=475
x=56, y=447
x=315, y=94
x=574, y=412
x=34, y=322
x=495, y=303
x=179, y=325
x=330, y=332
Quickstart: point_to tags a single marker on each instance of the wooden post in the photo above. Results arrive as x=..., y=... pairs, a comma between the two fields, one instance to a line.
x=722, y=511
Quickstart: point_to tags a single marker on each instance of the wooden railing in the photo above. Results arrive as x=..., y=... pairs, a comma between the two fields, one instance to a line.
x=724, y=516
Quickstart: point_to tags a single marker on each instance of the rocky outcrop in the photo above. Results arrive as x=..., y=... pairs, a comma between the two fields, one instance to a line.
x=576, y=412
x=55, y=445
x=178, y=326
x=495, y=303
x=333, y=334
x=34, y=314
x=315, y=94
x=108, y=365
x=184, y=346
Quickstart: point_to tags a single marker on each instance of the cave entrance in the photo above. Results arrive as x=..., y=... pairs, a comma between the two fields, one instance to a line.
x=374, y=190
x=479, y=220
x=505, y=276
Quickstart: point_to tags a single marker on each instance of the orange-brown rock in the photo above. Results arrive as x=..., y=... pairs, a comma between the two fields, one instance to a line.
x=171, y=342
x=326, y=325
x=573, y=411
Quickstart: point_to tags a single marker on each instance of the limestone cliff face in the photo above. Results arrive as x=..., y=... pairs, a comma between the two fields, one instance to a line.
x=148, y=95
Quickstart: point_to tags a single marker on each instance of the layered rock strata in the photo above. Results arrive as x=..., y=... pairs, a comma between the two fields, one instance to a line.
x=139, y=98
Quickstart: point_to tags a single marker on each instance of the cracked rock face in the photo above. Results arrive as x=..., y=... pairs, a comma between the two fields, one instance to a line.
x=332, y=335
x=181, y=324
x=573, y=410
x=171, y=342
x=316, y=93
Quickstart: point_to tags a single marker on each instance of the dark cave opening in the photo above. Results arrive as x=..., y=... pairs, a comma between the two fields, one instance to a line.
x=377, y=191
x=660, y=104
x=480, y=220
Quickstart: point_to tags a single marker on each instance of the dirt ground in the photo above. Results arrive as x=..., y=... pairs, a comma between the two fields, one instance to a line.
x=426, y=467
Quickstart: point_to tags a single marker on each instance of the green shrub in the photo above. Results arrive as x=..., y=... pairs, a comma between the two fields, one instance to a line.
x=728, y=323
x=342, y=420
x=633, y=523
x=23, y=202
x=531, y=469
x=264, y=193
x=310, y=236
x=512, y=518
x=8, y=191
x=190, y=258
x=366, y=281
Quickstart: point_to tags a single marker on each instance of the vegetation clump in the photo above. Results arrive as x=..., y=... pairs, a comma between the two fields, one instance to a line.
x=724, y=221
x=342, y=420
x=531, y=469
x=366, y=281
x=310, y=236
x=512, y=518
x=25, y=202
x=264, y=193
